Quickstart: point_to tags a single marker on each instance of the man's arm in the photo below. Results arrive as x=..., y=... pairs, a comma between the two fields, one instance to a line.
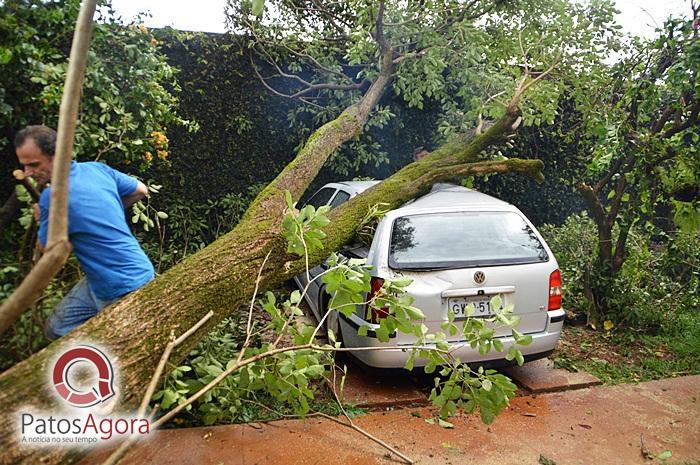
x=140, y=193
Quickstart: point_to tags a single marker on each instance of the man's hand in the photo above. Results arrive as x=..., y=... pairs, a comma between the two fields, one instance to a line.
x=140, y=193
x=36, y=212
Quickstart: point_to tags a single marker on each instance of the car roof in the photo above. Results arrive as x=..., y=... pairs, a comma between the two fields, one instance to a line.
x=441, y=195
x=353, y=187
x=450, y=195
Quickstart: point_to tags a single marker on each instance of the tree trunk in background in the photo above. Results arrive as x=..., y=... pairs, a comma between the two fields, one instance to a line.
x=221, y=277
x=10, y=210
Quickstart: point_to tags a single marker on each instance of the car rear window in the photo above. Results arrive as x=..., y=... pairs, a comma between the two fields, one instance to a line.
x=463, y=239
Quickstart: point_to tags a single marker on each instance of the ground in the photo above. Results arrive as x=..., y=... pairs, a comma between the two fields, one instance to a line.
x=628, y=356
x=656, y=422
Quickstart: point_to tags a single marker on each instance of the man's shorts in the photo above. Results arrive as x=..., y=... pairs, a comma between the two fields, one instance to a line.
x=78, y=306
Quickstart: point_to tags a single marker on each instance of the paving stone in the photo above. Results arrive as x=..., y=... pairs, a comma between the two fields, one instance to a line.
x=538, y=377
x=375, y=391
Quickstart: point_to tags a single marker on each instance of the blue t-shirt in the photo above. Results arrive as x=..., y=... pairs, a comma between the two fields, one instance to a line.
x=109, y=254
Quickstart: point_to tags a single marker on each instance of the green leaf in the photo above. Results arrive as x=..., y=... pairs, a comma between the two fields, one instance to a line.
x=498, y=345
x=258, y=6
x=445, y=424
x=409, y=361
x=315, y=371
x=414, y=313
x=382, y=334
x=5, y=56
x=288, y=200
x=487, y=413
x=362, y=331
x=169, y=398
x=401, y=282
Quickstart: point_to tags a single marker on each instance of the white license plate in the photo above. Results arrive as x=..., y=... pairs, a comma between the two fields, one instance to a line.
x=458, y=305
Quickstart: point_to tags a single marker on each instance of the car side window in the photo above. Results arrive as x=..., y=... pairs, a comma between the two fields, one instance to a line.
x=340, y=198
x=321, y=197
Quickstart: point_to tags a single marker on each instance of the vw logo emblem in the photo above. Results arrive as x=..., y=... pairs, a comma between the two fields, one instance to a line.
x=479, y=277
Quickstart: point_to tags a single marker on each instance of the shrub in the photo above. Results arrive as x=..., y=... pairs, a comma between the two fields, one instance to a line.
x=658, y=287
x=574, y=244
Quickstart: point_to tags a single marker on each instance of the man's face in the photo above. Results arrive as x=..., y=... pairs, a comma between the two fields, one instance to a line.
x=36, y=163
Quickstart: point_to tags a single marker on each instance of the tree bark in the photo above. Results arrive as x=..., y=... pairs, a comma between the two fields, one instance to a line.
x=221, y=277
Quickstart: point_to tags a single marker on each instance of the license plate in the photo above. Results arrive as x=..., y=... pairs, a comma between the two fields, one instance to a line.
x=458, y=305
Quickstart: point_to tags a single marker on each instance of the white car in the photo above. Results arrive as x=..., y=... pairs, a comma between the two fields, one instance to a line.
x=459, y=247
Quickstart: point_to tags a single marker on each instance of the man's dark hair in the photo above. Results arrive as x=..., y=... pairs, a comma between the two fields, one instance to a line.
x=44, y=136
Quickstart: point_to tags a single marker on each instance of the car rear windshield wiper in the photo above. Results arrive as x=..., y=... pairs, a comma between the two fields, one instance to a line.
x=427, y=268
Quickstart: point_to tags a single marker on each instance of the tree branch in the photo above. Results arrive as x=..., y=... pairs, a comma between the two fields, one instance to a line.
x=22, y=179
x=524, y=84
x=58, y=247
x=594, y=204
x=379, y=35
x=617, y=200
x=532, y=168
x=663, y=119
x=608, y=176
x=679, y=126
x=621, y=246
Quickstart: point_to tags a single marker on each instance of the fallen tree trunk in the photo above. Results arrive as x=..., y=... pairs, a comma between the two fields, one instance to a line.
x=221, y=277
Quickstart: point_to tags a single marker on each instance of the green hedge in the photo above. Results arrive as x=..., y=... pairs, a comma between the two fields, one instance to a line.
x=245, y=137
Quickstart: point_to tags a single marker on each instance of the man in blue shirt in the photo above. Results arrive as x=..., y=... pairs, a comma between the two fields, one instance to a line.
x=112, y=260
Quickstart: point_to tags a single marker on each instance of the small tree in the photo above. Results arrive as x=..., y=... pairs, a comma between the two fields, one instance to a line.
x=642, y=124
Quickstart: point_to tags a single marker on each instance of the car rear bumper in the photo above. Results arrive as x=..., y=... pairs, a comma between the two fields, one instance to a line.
x=393, y=355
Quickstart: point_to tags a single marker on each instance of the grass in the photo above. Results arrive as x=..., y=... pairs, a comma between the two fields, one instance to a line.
x=624, y=355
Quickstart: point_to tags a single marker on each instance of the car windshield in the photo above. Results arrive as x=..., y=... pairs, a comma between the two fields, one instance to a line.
x=463, y=239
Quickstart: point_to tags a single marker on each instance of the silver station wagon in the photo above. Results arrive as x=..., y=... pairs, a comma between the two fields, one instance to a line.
x=459, y=247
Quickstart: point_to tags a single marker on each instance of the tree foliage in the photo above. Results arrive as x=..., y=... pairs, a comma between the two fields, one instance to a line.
x=465, y=56
x=642, y=127
x=129, y=92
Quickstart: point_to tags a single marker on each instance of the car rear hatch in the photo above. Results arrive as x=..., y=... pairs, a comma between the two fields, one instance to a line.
x=460, y=258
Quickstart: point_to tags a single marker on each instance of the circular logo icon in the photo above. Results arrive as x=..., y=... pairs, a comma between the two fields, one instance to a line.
x=479, y=277
x=99, y=392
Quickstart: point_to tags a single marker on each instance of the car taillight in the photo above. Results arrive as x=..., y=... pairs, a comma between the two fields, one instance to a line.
x=554, y=290
x=372, y=313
